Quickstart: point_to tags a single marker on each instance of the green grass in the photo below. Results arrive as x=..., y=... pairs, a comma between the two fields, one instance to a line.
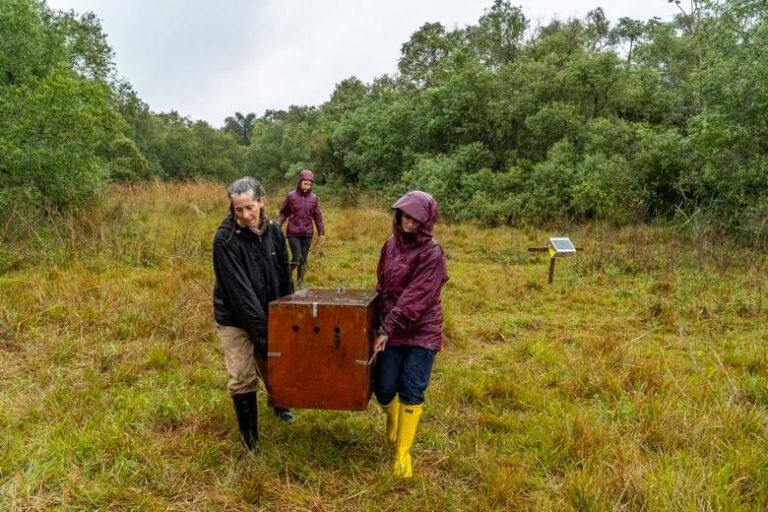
x=637, y=381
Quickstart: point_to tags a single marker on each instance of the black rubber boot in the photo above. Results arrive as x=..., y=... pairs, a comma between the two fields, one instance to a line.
x=300, y=274
x=284, y=414
x=247, y=412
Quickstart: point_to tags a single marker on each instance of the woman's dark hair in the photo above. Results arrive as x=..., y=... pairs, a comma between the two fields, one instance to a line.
x=243, y=185
x=246, y=184
x=399, y=217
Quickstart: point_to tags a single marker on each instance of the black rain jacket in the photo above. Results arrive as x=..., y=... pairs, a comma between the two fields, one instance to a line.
x=251, y=270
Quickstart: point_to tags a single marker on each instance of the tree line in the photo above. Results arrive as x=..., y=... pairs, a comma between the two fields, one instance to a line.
x=504, y=122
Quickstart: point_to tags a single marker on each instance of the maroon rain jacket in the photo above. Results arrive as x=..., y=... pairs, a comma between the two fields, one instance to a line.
x=301, y=209
x=411, y=273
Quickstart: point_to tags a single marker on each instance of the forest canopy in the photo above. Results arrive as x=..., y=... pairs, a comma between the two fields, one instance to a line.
x=504, y=122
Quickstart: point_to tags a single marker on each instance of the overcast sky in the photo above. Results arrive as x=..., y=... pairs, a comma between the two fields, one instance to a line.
x=208, y=59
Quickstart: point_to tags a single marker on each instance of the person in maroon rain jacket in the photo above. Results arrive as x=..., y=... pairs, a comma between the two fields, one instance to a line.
x=301, y=207
x=411, y=273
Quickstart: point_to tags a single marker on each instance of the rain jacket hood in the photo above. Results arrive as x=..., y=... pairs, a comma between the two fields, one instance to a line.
x=306, y=174
x=422, y=207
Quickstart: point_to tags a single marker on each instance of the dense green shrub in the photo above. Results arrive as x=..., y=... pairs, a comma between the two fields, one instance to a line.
x=581, y=120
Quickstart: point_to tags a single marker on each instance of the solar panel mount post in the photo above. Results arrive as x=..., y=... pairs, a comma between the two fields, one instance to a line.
x=558, y=246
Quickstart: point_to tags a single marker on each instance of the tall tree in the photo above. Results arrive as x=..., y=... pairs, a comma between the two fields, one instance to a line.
x=499, y=33
x=60, y=135
x=629, y=31
x=425, y=50
x=241, y=126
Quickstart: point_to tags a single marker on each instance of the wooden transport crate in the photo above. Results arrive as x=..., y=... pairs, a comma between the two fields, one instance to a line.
x=320, y=346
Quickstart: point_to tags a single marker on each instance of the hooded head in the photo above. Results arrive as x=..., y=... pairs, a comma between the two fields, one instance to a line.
x=420, y=206
x=307, y=175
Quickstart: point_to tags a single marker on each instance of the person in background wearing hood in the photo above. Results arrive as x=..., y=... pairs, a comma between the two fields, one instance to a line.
x=250, y=261
x=300, y=208
x=411, y=273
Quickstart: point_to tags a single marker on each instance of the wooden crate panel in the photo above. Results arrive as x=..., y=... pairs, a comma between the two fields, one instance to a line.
x=320, y=344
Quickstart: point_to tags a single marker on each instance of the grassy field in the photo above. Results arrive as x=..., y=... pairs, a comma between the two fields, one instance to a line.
x=637, y=381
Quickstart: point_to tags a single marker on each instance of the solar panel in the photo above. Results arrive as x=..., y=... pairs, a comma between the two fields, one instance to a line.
x=562, y=245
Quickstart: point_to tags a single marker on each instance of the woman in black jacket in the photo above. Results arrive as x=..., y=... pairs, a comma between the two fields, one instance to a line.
x=251, y=265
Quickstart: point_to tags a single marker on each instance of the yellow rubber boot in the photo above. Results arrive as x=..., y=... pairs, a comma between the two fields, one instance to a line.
x=407, y=421
x=391, y=410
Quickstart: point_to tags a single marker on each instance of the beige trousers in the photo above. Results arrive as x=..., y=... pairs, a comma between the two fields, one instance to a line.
x=243, y=365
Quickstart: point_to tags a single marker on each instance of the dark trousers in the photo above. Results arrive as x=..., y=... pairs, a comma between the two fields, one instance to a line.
x=299, y=249
x=402, y=371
